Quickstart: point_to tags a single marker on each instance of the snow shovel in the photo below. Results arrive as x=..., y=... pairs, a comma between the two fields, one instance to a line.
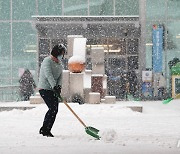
x=89, y=130
x=166, y=101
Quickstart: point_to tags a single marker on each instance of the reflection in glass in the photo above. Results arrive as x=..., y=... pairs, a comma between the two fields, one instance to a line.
x=173, y=9
x=4, y=9
x=75, y=7
x=133, y=62
x=5, y=54
x=127, y=7
x=24, y=48
x=23, y=9
x=132, y=46
x=50, y=7
x=101, y=7
x=156, y=9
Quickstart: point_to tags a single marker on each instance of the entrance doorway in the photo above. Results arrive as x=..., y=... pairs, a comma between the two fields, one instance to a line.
x=121, y=64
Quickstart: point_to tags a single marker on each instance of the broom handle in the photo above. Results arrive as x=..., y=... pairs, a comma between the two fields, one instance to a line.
x=64, y=101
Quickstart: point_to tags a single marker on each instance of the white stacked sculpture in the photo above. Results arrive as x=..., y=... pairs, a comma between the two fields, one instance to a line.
x=90, y=85
x=76, y=65
x=98, y=78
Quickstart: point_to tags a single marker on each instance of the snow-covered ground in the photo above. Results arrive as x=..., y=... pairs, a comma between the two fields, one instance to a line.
x=122, y=131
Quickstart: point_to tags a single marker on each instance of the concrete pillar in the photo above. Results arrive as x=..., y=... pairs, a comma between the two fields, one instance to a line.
x=98, y=69
x=87, y=78
x=86, y=94
x=97, y=59
x=97, y=84
x=97, y=54
x=94, y=98
x=110, y=99
x=76, y=84
x=70, y=44
x=37, y=99
x=142, y=42
x=65, y=85
x=105, y=84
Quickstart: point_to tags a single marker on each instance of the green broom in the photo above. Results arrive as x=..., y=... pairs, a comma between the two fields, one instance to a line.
x=166, y=101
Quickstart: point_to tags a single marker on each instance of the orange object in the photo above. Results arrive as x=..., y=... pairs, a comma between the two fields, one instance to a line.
x=76, y=67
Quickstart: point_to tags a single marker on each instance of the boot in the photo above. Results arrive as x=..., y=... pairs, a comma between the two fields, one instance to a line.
x=45, y=132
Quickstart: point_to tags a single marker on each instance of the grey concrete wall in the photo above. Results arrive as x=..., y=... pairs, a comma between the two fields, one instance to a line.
x=65, y=84
x=76, y=84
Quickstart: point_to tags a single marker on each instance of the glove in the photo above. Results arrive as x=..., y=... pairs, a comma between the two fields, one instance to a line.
x=57, y=91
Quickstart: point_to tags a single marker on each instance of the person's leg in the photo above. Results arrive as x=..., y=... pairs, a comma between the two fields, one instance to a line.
x=160, y=93
x=24, y=97
x=52, y=103
x=27, y=97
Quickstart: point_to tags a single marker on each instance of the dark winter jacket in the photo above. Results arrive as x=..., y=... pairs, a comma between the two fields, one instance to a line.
x=27, y=83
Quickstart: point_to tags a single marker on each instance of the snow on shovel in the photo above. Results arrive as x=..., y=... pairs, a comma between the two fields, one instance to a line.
x=89, y=130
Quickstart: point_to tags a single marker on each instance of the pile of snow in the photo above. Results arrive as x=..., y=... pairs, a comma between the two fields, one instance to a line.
x=79, y=47
x=156, y=130
x=76, y=59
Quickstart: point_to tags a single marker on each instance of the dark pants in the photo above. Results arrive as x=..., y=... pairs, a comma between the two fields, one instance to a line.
x=161, y=93
x=52, y=102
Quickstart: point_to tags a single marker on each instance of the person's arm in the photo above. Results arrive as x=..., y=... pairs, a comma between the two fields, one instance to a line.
x=59, y=82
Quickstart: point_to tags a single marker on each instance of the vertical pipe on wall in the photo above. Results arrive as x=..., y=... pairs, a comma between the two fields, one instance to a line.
x=114, y=8
x=11, y=39
x=62, y=7
x=88, y=8
x=142, y=44
x=37, y=42
x=165, y=43
x=37, y=7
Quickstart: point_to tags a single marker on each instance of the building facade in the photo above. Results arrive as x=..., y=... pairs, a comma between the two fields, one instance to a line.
x=19, y=40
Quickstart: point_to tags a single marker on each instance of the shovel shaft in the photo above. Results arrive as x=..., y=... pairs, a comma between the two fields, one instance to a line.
x=64, y=101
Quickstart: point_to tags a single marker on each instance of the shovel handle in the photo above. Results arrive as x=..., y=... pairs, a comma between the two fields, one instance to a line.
x=65, y=102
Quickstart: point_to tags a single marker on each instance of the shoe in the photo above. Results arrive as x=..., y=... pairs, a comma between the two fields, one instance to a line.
x=50, y=134
x=45, y=132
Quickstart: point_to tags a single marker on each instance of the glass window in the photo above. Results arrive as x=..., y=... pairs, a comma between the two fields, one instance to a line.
x=50, y=7
x=156, y=9
x=132, y=62
x=24, y=49
x=127, y=7
x=75, y=7
x=177, y=86
x=24, y=9
x=5, y=54
x=4, y=9
x=173, y=9
x=173, y=41
x=116, y=46
x=117, y=63
x=100, y=7
x=44, y=48
x=132, y=46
